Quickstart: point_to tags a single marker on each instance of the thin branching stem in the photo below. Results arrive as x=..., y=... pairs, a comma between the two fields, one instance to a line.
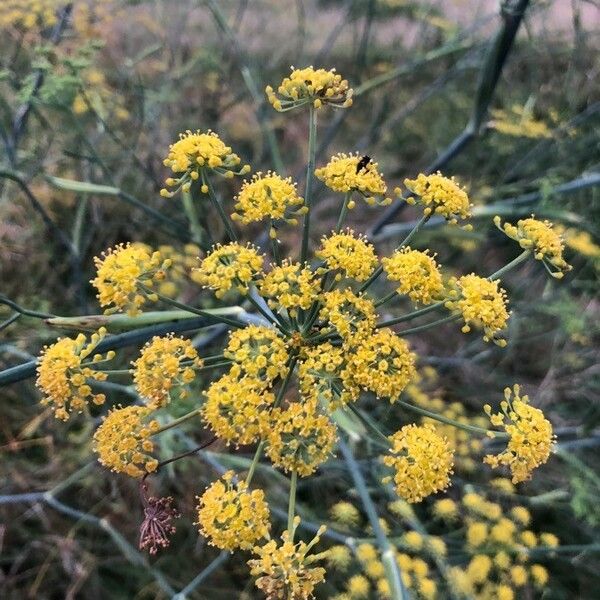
x=310, y=168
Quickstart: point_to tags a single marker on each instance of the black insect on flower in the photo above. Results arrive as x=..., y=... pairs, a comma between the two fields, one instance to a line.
x=362, y=163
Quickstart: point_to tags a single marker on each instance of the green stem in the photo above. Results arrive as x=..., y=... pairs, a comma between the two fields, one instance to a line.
x=383, y=440
x=379, y=270
x=429, y=325
x=265, y=314
x=511, y=265
x=310, y=168
x=192, y=215
x=470, y=428
x=343, y=211
x=178, y=421
x=292, y=505
x=385, y=299
x=255, y=460
x=411, y=316
x=274, y=245
x=219, y=207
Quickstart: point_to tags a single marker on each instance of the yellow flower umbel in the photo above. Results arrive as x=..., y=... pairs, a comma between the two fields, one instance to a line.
x=539, y=237
x=439, y=195
x=257, y=351
x=231, y=516
x=299, y=438
x=482, y=304
x=310, y=86
x=122, y=274
x=290, y=286
x=232, y=266
x=530, y=435
x=351, y=314
x=235, y=409
x=123, y=442
x=348, y=254
x=63, y=376
x=194, y=154
x=352, y=173
x=285, y=570
x=417, y=274
x=422, y=461
x=345, y=513
x=165, y=363
x=268, y=196
x=325, y=377
x=383, y=364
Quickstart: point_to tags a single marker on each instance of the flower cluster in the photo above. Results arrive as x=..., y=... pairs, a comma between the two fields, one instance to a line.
x=422, y=462
x=348, y=173
x=123, y=442
x=194, y=154
x=64, y=378
x=417, y=274
x=310, y=86
x=348, y=255
x=539, y=237
x=231, y=516
x=268, y=196
x=165, y=363
x=530, y=435
x=481, y=303
x=125, y=277
x=27, y=14
x=439, y=195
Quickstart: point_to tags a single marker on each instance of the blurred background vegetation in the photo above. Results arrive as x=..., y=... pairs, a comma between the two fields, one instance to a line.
x=91, y=95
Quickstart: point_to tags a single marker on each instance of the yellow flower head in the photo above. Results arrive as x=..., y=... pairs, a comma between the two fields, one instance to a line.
x=192, y=155
x=413, y=540
x=482, y=304
x=422, y=461
x=121, y=273
x=345, y=513
x=257, y=351
x=28, y=14
x=366, y=552
x=479, y=568
x=445, y=509
x=232, y=266
x=351, y=314
x=439, y=195
x=165, y=363
x=268, y=196
x=358, y=586
x=349, y=254
x=325, y=377
x=477, y=534
x=539, y=575
x=352, y=173
x=286, y=570
x=62, y=374
x=310, y=86
x=339, y=557
x=530, y=435
x=521, y=515
x=539, y=237
x=231, y=516
x=549, y=539
x=299, y=438
x=290, y=286
x=123, y=442
x=417, y=274
x=383, y=364
x=235, y=408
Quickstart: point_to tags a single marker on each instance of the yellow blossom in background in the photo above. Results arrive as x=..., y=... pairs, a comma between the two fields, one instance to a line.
x=518, y=121
x=446, y=509
x=257, y=351
x=231, y=516
x=299, y=438
x=417, y=274
x=348, y=173
x=122, y=274
x=29, y=14
x=285, y=571
x=422, y=462
x=348, y=254
x=439, y=195
x=579, y=241
x=482, y=304
x=542, y=239
x=351, y=314
x=345, y=513
x=339, y=556
x=325, y=376
x=232, y=266
x=549, y=539
x=477, y=534
x=530, y=435
x=236, y=408
x=192, y=155
x=413, y=540
x=290, y=286
x=539, y=575
x=358, y=586
x=268, y=196
x=521, y=514
x=479, y=568
x=63, y=376
x=165, y=363
x=382, y=363
x=123, y=442
x=310, y=86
